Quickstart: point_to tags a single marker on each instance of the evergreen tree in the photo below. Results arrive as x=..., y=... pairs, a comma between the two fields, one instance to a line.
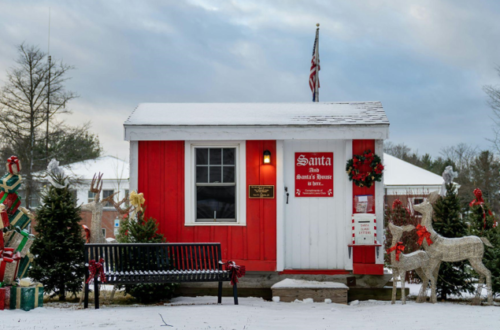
x=454, y=278
x=483, y=224
x=58, y=248
x=144, y=231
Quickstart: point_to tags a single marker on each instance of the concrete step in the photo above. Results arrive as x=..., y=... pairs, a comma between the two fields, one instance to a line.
x=383, y=294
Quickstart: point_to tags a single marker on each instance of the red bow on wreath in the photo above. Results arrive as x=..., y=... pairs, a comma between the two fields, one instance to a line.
x=236, y=271
x=423, y=234
x=96, y=269
x=399, y=247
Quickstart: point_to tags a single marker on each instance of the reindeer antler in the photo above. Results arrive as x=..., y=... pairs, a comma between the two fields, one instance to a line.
x=118, y=206
x=96, y=188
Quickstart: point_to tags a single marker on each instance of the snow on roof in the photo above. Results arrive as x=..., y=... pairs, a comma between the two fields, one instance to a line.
x=400, y=173
x=303, y=284
x=111, y=167
x=258, y=114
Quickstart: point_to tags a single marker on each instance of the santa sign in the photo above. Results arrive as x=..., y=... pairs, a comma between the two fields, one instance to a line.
x=314, y=174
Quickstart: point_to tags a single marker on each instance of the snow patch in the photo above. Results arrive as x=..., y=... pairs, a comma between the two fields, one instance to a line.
x=303, y=284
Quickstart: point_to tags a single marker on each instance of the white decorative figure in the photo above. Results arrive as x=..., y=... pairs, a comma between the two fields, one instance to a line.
x=401, y=263
x=445, y=249
x=448, y=176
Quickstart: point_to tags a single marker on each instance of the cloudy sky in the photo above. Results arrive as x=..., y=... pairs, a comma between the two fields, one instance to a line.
x=426, y=60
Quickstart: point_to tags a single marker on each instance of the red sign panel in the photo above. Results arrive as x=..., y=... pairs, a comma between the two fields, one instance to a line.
x=314, y=174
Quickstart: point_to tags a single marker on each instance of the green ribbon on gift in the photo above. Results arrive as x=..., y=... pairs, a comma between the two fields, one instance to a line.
x=24, y=240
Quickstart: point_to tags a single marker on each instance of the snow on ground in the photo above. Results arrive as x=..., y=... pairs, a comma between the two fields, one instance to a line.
x=255, y=313
x=290, y=283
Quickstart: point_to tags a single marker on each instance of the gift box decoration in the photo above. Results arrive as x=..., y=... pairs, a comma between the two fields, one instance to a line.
x=4, y=217
x=9, y=183
x=7, y=236
x=2, y=243
x=13, y=165
x=21, y=241
x=26, y=298
x=4, y=297
x=11, y=201
x=24, y=265
x=20, y=219
x=9, y=267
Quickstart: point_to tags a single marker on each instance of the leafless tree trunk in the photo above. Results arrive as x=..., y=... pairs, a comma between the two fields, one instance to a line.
x=23, y=103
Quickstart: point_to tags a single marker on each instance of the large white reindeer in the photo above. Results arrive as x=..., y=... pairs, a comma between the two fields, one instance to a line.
x=401, y=263
x=469, y=248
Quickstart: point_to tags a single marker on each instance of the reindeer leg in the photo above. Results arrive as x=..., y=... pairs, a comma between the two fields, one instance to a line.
x=434, y=265
x=395, y=274
x=478, y=266
x=477, y=299
x=422, y=296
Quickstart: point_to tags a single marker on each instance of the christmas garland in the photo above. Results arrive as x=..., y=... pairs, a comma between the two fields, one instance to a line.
x=364, y=178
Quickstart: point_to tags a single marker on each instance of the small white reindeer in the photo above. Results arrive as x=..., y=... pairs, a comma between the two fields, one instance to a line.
x=401, y=263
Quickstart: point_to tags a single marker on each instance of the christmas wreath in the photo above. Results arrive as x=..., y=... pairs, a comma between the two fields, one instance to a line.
x=365, y=169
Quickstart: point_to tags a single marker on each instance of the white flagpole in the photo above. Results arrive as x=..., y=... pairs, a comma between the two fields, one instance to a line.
x=316, y=77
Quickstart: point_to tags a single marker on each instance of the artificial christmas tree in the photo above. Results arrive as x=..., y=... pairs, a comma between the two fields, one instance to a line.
x=454, y=278
x=58, y=263
x=483, y=223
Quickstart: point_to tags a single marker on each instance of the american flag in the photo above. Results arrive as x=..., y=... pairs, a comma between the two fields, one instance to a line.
x=314, y=74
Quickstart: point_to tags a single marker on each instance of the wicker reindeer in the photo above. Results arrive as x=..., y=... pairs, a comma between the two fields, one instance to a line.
x=441, y=249
x=401, y=263
x=96, y=207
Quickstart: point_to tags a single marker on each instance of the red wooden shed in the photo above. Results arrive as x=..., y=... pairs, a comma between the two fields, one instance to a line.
x=266, y=180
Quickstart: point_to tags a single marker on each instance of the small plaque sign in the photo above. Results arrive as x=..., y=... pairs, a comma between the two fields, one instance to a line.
x=259, y=191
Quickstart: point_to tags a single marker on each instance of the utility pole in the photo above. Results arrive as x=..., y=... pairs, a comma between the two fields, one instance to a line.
x=48, y=101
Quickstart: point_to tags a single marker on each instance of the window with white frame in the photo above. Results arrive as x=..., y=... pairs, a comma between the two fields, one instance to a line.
x=214, y=183
x=91, y=196
x=106, y=193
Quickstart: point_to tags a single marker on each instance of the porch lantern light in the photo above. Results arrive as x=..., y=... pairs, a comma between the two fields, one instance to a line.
x=267, y=157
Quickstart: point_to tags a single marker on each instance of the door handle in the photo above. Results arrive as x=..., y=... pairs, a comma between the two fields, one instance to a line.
x=287, y=194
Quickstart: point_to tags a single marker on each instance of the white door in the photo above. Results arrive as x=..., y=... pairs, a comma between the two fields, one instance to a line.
x=315, y=227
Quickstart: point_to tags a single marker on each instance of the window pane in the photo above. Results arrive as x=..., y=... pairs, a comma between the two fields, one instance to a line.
x=201, y=156
x=202, y=174
x=229, y=156
x=215, y=174
x=228, y=174
x=215, y=199
x=107, y=193
x=215, y=156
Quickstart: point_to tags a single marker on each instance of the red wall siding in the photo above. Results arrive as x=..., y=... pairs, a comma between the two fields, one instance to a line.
x=161, y=179
x=364, y=256
x=358, y=147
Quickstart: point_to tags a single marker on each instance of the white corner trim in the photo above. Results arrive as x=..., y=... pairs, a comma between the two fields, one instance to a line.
x=348, y=209
x=379, y=204
x=189, y=182
x=134, y=166
x=280, y=207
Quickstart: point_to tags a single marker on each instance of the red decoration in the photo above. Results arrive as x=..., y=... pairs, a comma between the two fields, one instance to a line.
x=96, y=269
x=8, y=256
x=423, y=234
x=13, y=165
x=365, y=169
x=397, y=203
x=314, y=174
x=87, y=233
x=399, y=247
x=480, y=201
x=236, y=271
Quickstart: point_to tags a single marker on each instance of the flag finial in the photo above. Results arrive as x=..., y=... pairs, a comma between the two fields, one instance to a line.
x=317, y=24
